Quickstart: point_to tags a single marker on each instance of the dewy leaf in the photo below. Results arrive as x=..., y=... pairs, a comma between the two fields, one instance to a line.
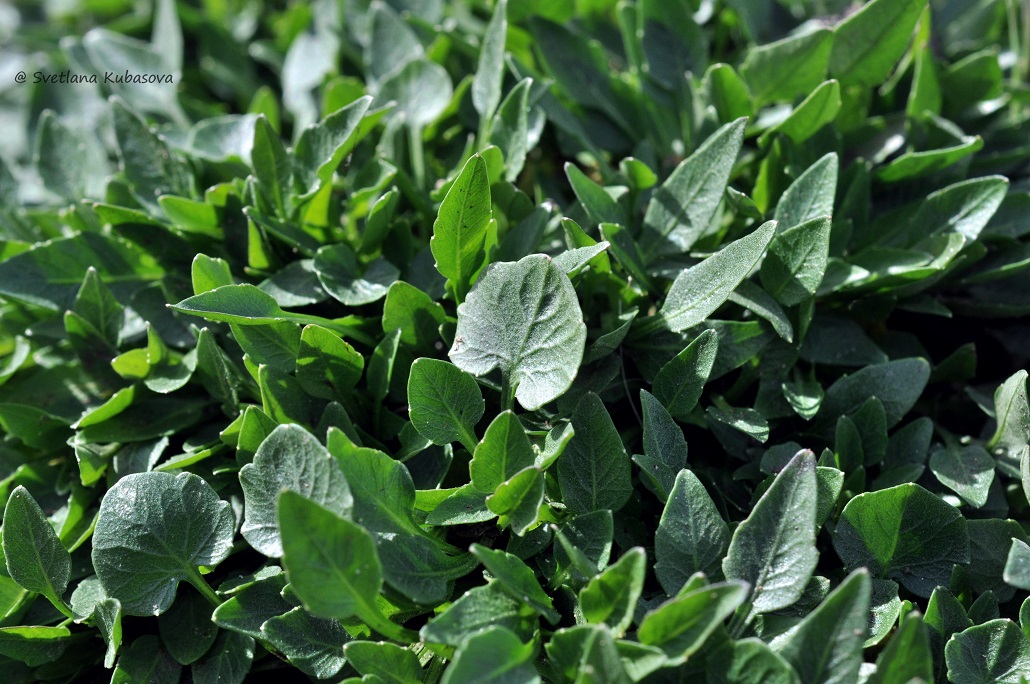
x=331, y=563
x=461, y=228
x=827, y=645
x=810, y=196
x=868, y=43
x=146, y=661
x=322, y=147
x=523, y=318
x=228, y=661
x=186, y=628
x=1017, y=565
x=904, y=533
x=692, y=537
x=681, y=625
x=504, y=451
x=1012, y=414
x=681, y=209
x=907, y=655
x=444, y=403
x=393, y=664
x=773, y=550
x=288, y=459
x=968, y=471
x=594, y=471
x=665, y=449
x=343, y=278
x=701, y=289
x=494, y=656
x=679, y=383
x=326, y=365
x=611, y=597
x=35, y=557
x=489, y=76
x=996, y=652
x=519, y=498
x=154, y=530
x=313, y=644
x=796, y=262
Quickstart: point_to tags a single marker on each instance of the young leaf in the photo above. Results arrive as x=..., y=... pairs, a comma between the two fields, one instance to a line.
x=416, y=315
x=492, y=657
x=750, y=661
x=692, y=537
x=186, y=628
x=332, y=563
x=519, y=498
x=818, y=109
x=288, y=459
x=904, y=533
x=341, y=276
x=796, y=262
x=665, y=449
x=681, y=209
x=793, y=66
x=326, y=366
x=504, y=451
x=679, y=383
x=868, y=43
x=516, y=578
x=313, y=644
x=594, y=471
x=611, y=597
x=35, y=557
x=390, y=662
x=827, y=645
x=773, y=550
x=155, y=530
x=461, y=228
x=681, y=625
x=596, y=201
x=907, y=655
x=444, y=403
x=968, y=471
x=701, y=289
x=897, y=384
x=486, y=84
x=228, y=661
x=321, y=148
x=810, y=196
x=538, y=355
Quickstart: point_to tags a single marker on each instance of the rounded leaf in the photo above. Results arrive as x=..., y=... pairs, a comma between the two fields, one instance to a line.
x=155, y=529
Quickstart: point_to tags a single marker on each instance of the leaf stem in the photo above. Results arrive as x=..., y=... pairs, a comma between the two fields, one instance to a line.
x=468, y=439
x=507, y=393
x=382, y=624
x=418, y=161
x=201, y=585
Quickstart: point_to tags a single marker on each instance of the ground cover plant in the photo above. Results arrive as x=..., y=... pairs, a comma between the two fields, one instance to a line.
x=548, y=341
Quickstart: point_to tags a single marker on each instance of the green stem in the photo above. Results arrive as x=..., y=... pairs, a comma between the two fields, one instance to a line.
x=201, y=585
x=468, y=439
x=382, y=624
x=507, y=394
x=435, y=671
x=418, y=157
x=60, y=605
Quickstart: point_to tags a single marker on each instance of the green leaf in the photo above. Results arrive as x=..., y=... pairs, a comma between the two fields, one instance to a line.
x=679, y=383
x=146, y=661
x=701, y=289
x=272, y=167
x=793, y=66
x=904, y=533
x=810, y=196
x=504, y=451
x=665, y=449
x=228, y=662
x=70, y=164
x=421, y=90
x=968, y=471
x=821, y=107
x=868, y=43
x=416, y=315
x=477, y=610
x=965, y=208
x=107, y=618
x=509, y=130
x=907, y=655
x=461, y=228
x=208, y=273
x=489, y=75
x=1017, y=565
x=341, y=276
x=445, y=403
x=796, y=262
x=154, y=530
x=492, y=657
x=331, y=563
x=538, y=355
x=35, y=557
x=151, y=168
x=684, y=205
x=321, y=147
x=773, y=550
x=326, y=365
x=897, y=384
x=692, y=537
x=242, y=304
x=288, y=459
x=681, y=625
x=517, y=579
x=594, y=471
x=519, y=498
x=391, y=663
x=256, y=603
x=1012, y=414
x=827, y=645
x=596, y=201
x=313, y=644
x=611, y=597
x=750, y=661
x=995, y=652
x=186, y=628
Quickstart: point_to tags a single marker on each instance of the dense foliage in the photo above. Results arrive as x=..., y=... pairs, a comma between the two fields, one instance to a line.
x=562, y=340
